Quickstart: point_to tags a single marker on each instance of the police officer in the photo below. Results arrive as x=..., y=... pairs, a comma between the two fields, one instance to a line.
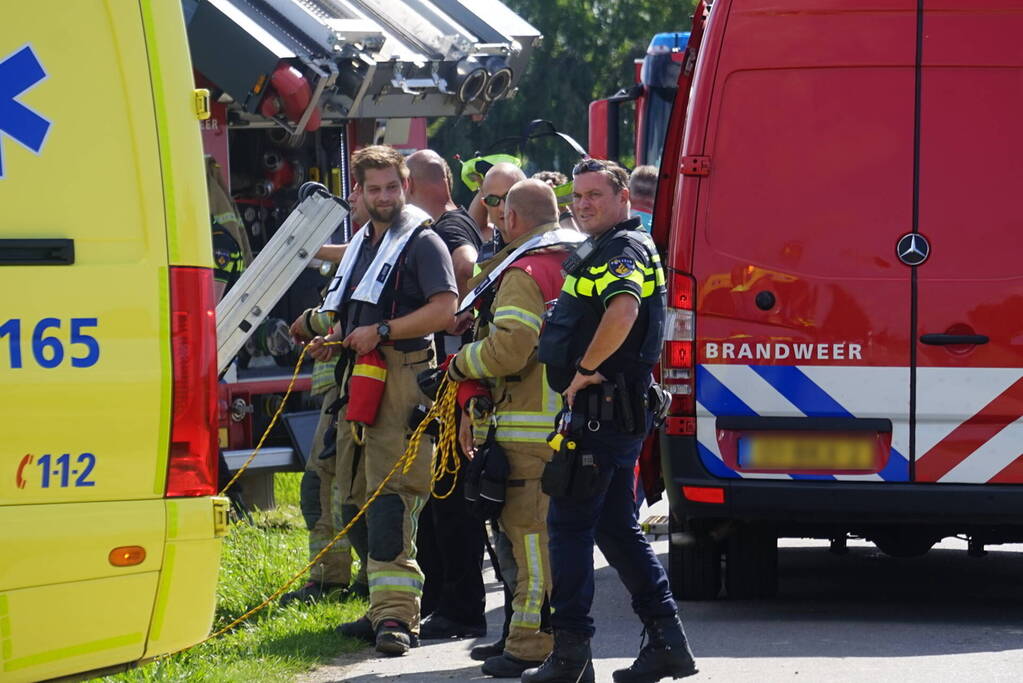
x=600, y=346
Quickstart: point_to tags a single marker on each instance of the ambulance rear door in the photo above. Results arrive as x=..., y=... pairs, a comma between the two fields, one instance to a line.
x=802, y=308
x=969, y=306
x=84, y=338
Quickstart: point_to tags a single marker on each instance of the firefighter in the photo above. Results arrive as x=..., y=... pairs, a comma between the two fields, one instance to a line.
x=330, y=577
x=504, y=355
x=599, y=346
x=450, y=540
x=394, y=288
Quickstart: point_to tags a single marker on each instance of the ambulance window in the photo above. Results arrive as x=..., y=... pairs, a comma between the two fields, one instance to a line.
x=810, y=175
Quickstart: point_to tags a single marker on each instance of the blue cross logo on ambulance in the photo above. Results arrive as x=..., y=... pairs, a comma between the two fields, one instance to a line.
x=20, y=71
x=777, y=350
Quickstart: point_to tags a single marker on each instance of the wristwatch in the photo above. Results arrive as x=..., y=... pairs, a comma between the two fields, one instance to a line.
x=384, y=330
x=583, y=371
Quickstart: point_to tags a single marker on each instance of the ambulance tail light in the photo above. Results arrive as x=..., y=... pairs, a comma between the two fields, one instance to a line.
x=677, y=364
x=192, y=465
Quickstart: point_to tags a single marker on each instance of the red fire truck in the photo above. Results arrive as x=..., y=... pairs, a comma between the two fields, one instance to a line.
x=296, y=86
x=651, y=98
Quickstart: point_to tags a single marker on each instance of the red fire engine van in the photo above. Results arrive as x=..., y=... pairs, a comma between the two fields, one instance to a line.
x=843, y=234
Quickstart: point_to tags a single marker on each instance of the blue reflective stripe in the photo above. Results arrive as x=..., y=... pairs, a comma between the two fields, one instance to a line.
x=717, y=398
x=812, y=400
x=715, y=465
x=897, y=468
x=800, y=390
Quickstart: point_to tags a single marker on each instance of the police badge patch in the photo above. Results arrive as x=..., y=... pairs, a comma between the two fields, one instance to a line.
x=621, y=266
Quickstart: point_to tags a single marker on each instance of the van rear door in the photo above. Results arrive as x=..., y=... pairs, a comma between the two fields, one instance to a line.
x=969, y=381
x=803, y=309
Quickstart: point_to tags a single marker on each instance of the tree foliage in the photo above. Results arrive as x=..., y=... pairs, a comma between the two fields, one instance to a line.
x=588, y=52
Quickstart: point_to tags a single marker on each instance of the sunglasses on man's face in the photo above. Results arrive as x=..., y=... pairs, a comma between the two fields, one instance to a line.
x=494, y=199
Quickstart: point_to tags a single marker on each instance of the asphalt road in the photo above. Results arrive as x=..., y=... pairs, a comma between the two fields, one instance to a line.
x=859, y=617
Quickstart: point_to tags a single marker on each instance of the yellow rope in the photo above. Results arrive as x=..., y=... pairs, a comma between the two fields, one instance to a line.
x=446, y=462
x=273, y=420
x=409, y=456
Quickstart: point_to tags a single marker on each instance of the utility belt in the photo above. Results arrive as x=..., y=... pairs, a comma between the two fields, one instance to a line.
x=619, y=402
x=574, y=473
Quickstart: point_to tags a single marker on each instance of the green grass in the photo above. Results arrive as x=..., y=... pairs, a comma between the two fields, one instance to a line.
x=275, y=644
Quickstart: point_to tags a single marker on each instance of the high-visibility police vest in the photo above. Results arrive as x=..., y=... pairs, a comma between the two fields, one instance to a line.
x=573, y=323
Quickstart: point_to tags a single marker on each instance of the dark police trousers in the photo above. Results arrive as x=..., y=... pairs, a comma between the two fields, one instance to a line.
x=610, y=519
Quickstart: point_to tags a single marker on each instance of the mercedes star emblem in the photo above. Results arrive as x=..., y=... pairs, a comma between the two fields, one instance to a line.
x=913, y=249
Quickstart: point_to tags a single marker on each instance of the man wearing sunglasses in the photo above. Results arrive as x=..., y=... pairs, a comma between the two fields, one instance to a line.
x=492, y=195
x=599, y=346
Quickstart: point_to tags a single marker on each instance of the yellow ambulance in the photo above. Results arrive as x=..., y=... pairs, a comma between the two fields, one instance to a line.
x=110, y=528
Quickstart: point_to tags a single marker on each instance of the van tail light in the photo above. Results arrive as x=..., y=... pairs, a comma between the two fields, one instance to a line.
x=192, y=465
x=704, y=494
x=677, y=363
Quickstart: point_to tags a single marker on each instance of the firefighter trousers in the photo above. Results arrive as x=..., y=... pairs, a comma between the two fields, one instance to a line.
x=524, y=521
x=335, y=567
x=386, y=534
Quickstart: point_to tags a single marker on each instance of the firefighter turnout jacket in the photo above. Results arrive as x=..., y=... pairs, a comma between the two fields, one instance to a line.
x=504, y=354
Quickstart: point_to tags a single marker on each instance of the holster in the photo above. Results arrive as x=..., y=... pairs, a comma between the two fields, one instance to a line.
x=571, y=473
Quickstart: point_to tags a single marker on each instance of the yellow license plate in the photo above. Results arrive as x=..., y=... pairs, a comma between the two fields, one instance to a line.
x=807, y=453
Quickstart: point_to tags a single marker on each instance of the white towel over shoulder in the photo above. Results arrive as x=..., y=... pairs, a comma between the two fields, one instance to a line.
x=372, y=283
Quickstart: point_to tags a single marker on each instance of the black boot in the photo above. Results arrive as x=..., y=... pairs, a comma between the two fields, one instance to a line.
x=314, y=591
x=666, y=654
x=362, y=629
x=570, y=662
x=482, y=653
x=505, y=665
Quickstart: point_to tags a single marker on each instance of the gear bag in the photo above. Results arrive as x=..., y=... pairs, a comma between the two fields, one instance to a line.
x=486, y=480
x=366, y=388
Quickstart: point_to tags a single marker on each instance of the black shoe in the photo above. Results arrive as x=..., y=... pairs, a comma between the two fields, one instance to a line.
x=666, y=654
x=506, y=666
x=570, y=662
x=314, y=591
x=393, y=638
x=482, y=653
x=360, y=590
x=362, y=629
x=437, y=627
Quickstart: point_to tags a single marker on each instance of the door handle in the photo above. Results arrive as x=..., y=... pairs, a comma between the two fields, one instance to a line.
x=951, y=339
x=37, y=252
